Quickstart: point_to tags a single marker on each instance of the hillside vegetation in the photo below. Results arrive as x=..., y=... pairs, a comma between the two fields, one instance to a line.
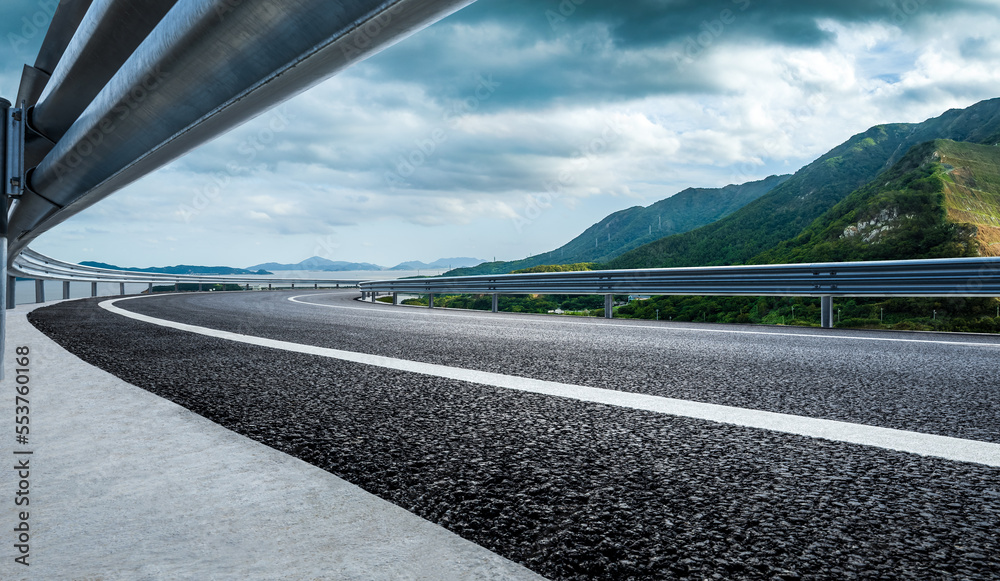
x=557, y=268
x=941, y=200
x=785, y=212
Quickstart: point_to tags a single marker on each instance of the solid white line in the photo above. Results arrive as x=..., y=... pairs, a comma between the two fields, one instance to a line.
x=912, y=442
x=671, y=328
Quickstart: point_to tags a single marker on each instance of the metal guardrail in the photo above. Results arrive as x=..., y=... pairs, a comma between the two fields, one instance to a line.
x=33, y=265
x=123, y=87
x=108, y=113
x=957, y=277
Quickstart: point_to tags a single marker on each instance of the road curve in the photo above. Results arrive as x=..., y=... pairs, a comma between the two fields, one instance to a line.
x=585, y=490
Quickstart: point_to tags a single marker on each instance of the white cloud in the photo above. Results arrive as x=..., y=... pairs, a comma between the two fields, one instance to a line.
x=371, y=151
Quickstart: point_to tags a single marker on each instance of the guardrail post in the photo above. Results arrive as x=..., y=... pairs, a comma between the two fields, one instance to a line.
x=269, y=286
x=826, y=312
x=430, y=301
x=395, y=298
x=609, y=306
x=39, y=290
x=177, y=287
x=65, y=289
x=9, y=158
x=11, y=287
x=121, y=288
x=149, y=289
x=93, y=289
x=496, y=302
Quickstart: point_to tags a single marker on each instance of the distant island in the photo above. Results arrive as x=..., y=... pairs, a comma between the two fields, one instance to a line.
x=181, y=269
x=317, y=263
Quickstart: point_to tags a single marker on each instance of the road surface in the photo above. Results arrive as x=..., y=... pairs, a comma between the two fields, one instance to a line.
x=418, y=406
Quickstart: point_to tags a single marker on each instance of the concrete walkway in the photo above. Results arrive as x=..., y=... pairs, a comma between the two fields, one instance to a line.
x=126, y=485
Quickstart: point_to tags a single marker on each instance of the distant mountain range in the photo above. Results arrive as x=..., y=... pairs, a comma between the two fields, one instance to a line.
x=317, y=263
x=896, y=191
x=636, y=226
x=180, y=269
x=459, y=262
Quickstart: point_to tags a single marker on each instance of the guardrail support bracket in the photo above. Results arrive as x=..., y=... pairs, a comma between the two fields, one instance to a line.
x=12, y=179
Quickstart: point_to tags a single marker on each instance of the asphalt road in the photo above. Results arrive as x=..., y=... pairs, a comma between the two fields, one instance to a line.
x=582, y=490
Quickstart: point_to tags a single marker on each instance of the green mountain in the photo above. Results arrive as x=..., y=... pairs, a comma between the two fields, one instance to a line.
x=636, y=226
x=790, y=208
x=941, y=200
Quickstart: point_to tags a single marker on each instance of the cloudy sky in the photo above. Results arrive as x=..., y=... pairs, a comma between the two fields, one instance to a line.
x=508, y=128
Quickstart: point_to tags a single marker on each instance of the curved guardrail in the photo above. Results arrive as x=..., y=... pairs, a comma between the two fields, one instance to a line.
x=33, y=265
x=122, y=87
x=140, y=83
x=959, y=277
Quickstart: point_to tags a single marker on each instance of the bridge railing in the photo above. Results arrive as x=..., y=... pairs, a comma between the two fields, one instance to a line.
x=950, y=277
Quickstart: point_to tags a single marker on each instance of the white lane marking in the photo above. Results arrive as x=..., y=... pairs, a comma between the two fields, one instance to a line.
x=900, y=440
x=671, y=328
